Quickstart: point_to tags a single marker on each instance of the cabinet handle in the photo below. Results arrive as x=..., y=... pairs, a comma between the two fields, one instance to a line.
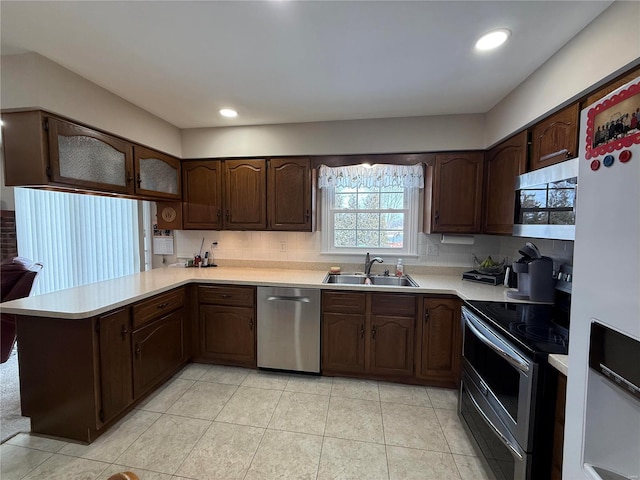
x=137, y=350
x=225, y=295
x=129, y=178
x=426, y=316
x=227, y=214
x=437, y=217
x=251, y=324
x=139, y=181
x=361, y=331
x=162, y=305
x=124, y=332
x=569, y=154
x=219, y=214
x=307, y=215
x=373, y=333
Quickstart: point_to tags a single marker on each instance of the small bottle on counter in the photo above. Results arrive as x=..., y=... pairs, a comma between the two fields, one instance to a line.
x=205, y=260
x=399, y=268
x=197, y=260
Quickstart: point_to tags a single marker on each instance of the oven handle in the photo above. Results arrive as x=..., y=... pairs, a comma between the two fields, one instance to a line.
x=513, y=361
x=504, y=439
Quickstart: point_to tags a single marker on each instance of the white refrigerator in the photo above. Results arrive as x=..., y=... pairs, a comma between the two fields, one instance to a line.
x=602, y=422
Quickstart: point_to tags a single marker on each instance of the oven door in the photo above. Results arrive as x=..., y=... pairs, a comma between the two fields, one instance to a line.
x=504, y=377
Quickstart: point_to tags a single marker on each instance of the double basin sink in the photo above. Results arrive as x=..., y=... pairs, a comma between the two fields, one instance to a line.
x=362, y=279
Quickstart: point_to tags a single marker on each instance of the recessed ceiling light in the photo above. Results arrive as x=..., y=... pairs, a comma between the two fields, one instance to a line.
x=227, y=112
x=493, y=39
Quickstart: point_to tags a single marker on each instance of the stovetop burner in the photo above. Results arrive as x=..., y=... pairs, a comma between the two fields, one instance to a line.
x=536, y=328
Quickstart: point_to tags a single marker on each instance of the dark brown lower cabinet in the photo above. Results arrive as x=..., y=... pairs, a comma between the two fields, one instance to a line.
x=439, y=349
x=158, y=348
x=116, y=375
x=228, y=334
x=367, y=334
x=343, y=342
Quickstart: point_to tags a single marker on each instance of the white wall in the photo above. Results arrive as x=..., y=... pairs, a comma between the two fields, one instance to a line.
x=596, y=55
x=32, y=81
x=390, y=135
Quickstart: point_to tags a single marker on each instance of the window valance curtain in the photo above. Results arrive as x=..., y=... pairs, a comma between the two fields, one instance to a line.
x=379, y=175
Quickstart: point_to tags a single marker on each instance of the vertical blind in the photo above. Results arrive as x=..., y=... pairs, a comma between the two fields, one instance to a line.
x=79, y=239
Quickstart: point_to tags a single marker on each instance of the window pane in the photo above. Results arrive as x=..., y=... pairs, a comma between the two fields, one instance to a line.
x=345, y=238
x=392, y=200
x=533, y=198
x=393, y=221
x=345, y=201
x=391, y=239
x=562, y=218
x=368, y=201
x=368, y=220
x=535, y=218
x=561, y=197
x=367, y=238
x=344, y=220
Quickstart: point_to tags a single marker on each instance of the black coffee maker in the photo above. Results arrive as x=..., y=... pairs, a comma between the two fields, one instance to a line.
x=535, y=276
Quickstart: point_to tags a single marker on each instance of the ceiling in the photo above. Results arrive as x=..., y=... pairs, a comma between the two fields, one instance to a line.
x=296, y=61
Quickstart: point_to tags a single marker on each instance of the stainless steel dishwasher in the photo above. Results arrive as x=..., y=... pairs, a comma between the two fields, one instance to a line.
x=289, y=329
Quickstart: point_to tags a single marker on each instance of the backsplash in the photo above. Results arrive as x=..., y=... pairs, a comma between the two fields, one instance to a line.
x=295, y=248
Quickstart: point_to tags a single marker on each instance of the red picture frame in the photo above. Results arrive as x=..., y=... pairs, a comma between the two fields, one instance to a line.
x=610, y=123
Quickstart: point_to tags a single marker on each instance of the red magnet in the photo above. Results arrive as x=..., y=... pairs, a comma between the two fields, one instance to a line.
x=625, y=156
x=595, y=165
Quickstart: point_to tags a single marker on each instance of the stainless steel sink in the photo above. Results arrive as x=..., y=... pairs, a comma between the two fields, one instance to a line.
x=360, y=279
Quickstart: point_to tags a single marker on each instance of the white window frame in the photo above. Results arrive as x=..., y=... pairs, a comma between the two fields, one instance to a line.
x=410, y=232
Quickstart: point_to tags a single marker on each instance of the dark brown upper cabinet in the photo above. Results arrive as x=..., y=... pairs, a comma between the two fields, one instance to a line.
x=42, y=150
x=555, y=139
x=157, y=174
x=245, y=188
x=453, y=193
x=202, y=194
x=504, y=163
x=290, y=194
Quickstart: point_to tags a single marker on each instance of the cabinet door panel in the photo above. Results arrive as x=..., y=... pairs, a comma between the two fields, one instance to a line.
x=158, y=350
x=289, y=194
x=555, y=139
x=440, y=341
x=392, y=345
x=343, y=342
x=157, y=174
x=87, y=158
x=116, y=379
x=227, y=334
x=457, y=193
x=245, y=193
x=202, y=195
x=504, y=163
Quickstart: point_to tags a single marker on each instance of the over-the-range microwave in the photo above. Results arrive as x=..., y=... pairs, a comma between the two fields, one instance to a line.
x=546, y=202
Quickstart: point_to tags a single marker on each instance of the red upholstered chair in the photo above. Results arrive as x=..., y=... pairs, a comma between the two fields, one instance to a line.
x=17, y=277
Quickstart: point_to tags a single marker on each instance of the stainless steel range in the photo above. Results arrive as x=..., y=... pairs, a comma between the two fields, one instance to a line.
x=507, y=387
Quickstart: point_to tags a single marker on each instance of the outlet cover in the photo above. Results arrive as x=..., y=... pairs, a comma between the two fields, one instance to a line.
x=283, y=247
x=433, y=250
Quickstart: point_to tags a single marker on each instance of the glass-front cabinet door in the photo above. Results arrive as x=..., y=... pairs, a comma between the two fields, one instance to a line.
x=89, y=159
x=157, y=174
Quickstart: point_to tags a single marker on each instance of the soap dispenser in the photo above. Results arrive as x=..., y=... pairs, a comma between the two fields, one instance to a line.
x=399, y=268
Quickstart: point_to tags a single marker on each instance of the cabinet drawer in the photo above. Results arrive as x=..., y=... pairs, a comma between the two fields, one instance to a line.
x=343, y=302
x=233, y=296
x=393, y=304
x=157, y=306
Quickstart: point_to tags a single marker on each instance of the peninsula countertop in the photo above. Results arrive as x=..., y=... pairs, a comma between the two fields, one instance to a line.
x=98, y=298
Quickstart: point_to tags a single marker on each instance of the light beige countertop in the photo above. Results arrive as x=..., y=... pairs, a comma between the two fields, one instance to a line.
x=559, y=362
x=98, y=298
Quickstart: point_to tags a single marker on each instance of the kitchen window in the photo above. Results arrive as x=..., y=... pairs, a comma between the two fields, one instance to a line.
x=371, y=208
x=79, y=239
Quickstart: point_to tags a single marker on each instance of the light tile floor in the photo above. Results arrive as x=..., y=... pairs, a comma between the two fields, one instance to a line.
x=214, y=422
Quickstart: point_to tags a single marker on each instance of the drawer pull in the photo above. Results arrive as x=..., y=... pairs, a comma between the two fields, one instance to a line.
x=225, y=295
x=162, y=305
x=124, y=332
x=251, y=324
x=137, y=350
x=373, y=333
x=426, y=316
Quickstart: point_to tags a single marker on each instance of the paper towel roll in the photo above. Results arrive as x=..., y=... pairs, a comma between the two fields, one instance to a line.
x=457, y=239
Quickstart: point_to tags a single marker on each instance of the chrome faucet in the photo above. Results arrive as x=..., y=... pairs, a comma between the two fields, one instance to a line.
x=368, y=263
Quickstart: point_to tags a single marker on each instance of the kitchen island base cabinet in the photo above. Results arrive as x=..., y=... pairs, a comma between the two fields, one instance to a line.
x=439, y=348
x=80, y=376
